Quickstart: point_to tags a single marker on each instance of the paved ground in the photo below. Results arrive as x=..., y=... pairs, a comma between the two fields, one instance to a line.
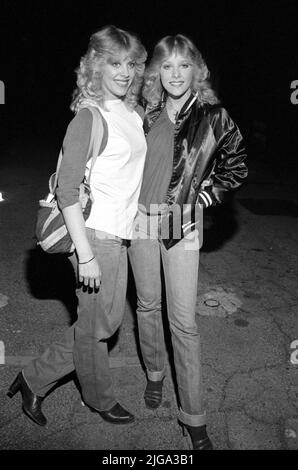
x=246, y=310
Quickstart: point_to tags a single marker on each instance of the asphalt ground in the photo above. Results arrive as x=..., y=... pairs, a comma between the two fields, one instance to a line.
x=246, y=312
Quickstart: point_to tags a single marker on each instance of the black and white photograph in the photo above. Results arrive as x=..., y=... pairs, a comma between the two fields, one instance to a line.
x=148, y=229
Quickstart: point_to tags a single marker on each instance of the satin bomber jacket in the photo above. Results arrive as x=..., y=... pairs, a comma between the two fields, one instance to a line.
x=208, y=161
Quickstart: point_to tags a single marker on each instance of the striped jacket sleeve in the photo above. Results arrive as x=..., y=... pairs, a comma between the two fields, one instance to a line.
x=229, y=169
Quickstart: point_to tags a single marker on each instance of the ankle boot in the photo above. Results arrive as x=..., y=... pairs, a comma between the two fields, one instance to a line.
x=199, y=437
x=116, y=415
x=31, y=404
x=153, y=393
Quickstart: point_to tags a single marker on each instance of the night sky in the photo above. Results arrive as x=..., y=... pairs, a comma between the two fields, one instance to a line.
x=251, y=49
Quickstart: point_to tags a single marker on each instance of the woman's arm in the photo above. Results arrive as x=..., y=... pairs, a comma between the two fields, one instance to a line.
x=71, y=175
x=229, y=168
x=89, y=272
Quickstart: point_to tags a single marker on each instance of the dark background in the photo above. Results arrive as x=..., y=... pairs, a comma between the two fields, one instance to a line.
x=250, y=48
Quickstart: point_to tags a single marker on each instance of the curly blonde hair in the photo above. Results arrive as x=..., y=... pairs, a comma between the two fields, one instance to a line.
x=153, y=89
x=103, y=44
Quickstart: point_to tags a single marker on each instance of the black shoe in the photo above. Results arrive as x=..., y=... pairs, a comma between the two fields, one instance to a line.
x=153, y=393
x=199, y=437
x=31, y=403
x=116, y=415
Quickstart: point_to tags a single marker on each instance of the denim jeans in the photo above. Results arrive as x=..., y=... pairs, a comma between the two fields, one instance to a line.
x=180, y=266
x=84, y=347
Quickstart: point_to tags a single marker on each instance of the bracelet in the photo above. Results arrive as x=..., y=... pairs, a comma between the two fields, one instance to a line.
x=86, y=262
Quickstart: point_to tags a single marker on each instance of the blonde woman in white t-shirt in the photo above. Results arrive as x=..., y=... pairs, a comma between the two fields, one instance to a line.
x=109, y=77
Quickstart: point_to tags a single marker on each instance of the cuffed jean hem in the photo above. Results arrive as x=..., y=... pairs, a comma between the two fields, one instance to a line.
x=156, y=375
x=191, y=420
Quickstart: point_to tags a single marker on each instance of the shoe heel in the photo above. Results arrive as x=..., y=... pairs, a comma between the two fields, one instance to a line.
x=14, y=388
x=185, y=435
x=183, y=429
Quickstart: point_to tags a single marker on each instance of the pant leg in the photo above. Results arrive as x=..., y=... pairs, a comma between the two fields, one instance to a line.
x=84, y=344
x=99, y=316
x=42, y=373
x=56, y=361
x=144, y=256
x=181, y=265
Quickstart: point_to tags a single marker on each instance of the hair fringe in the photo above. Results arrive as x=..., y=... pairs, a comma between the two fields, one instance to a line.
x=153, y=89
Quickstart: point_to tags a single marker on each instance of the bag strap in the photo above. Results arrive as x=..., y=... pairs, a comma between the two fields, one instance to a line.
x=96, y=146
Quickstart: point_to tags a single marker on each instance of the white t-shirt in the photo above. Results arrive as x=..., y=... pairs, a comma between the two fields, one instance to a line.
x=117, y=174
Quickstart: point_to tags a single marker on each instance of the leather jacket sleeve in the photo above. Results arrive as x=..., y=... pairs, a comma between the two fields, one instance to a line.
x=228, y=169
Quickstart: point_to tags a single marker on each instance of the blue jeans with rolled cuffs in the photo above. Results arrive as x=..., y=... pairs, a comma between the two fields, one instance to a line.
x=180, y=265
x=84, y=346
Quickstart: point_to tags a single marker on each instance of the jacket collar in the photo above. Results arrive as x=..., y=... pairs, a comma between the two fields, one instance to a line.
x=161, y=104
x=188, y=103
x=152, y=112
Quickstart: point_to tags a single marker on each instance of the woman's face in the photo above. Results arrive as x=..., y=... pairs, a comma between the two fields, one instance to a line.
x=176, y=74
x=117, y=75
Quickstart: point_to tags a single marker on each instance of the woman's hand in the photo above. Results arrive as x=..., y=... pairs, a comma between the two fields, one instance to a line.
x=90, y=273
